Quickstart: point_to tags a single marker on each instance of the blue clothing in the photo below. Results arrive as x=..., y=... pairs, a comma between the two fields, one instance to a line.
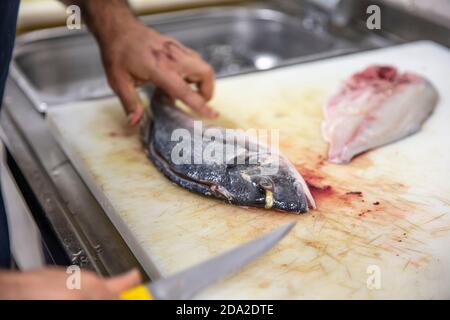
x=8, y=19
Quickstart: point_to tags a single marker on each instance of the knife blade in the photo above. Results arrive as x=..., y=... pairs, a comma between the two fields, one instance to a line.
x=187, y=283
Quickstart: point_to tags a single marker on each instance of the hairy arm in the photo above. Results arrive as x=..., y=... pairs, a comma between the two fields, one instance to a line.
x=133, y=54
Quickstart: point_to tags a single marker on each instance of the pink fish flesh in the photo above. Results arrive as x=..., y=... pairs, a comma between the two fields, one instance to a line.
x=374, y=107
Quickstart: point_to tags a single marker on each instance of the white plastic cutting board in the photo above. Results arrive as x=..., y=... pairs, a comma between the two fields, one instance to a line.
x=396, y=234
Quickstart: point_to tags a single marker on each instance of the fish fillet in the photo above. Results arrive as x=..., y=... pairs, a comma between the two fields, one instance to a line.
x=374, y=107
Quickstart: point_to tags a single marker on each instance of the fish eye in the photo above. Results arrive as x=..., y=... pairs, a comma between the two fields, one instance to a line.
x=265, y=183
x=265, y=186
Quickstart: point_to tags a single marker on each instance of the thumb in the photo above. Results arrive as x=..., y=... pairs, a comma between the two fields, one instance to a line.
x=130, y=100
x=124, y=281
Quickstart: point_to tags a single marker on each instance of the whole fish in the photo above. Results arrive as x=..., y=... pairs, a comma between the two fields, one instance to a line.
x=240, y=170
x=374, y=107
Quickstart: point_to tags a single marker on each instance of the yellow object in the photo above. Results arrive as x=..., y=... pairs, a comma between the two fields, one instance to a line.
x=138, y=293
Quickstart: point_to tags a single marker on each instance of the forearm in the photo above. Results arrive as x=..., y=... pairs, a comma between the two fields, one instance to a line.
x=105, y=18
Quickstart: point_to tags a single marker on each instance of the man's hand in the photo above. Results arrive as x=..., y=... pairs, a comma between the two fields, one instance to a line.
x=50, y=284
x=134, y=54
x=138, y=54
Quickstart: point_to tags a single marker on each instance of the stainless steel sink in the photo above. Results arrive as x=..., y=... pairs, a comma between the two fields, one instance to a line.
x=55, y=66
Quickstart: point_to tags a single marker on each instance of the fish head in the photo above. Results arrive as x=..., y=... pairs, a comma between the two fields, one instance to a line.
x=256, y=185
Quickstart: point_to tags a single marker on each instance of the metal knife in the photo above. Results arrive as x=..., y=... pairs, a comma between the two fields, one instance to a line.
x=185, y=284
